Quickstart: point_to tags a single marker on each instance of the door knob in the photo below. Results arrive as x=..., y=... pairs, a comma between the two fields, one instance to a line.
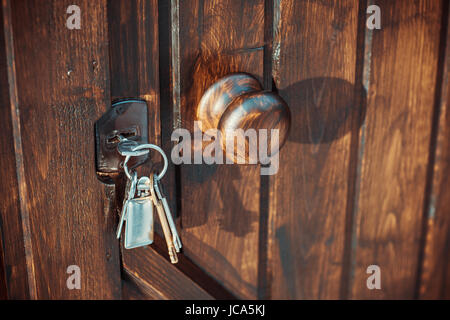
x=238, y=101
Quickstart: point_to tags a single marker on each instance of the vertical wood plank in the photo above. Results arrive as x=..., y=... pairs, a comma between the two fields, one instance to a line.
x=63, y=87
x=9, y=222
x=134, y=51
x=133, y=29
x=435, y=265
x=219, y=203
x=135, y=56
x=314, y=65
x=396, y=139
x=3, y=287
x=16, y=258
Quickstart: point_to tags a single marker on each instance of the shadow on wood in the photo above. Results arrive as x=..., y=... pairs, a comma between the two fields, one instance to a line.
x=324, y=109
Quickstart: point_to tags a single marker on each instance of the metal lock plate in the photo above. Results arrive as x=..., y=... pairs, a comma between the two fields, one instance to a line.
x=127, y=118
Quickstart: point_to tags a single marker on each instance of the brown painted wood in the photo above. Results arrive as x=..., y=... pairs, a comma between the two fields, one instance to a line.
x=61, y=88
x=3, y=287
x=131, y=290
x=355, y=187
x=133, y=30
x=395, y=147
x=219, y=203
x=13, y=249
x=158, y=278
x=7, y=153
x=137, y=63
x=314, y=68
x=193, y=271
x=435, y=263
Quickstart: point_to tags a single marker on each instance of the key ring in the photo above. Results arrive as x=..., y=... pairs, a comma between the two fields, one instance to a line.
x=147, y=146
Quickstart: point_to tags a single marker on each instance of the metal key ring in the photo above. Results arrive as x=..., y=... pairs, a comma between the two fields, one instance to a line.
x=147, y=146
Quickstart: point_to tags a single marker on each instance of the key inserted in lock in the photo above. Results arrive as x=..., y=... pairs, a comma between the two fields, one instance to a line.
x=128, y=119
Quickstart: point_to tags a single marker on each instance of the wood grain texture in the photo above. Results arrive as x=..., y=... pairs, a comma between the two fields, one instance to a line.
x=7, y=153
x=395, y=141
x=314, y=66
x=13, y=248
x=131, y=290
x=3, y=288
x=157, y=278
x=362, y=180
x=435, y=264
x=138, y=20
x=133, y=29
x=134, y=52
x=62, y=88
x=219, y=203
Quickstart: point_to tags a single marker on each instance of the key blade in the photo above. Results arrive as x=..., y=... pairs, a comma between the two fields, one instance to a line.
x=122, y=219
x=164, y=223
x=130, y=190
x=133, y=185
x=176, y=242
x=176, y=238
x=173, y=255
x=157, y=185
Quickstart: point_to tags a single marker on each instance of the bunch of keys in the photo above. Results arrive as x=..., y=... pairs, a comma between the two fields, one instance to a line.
x=141, y=195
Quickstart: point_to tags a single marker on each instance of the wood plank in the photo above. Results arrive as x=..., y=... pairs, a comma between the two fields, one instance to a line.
x=219, y=203
x=135, y=73
x=3, y=285
x=134, y=52
x=63, y=87
x=395, y=141
x=7, y=153
x=435, y=265
x=15, y=265
x=131, y=291
x=133, y=29
x=159, y=279
x=314, y=68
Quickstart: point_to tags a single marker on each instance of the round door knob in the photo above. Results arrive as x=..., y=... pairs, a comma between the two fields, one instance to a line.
x=238, y=101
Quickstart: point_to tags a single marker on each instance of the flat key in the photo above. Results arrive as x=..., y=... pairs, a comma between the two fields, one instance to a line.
x=130, y=190
x=160, y=193
x=164, y=224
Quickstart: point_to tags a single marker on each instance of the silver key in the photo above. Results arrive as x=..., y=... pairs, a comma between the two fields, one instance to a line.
x=126, y=148
x=164, y=224
x=139, y=228
x=160, y=193
x=130, y=190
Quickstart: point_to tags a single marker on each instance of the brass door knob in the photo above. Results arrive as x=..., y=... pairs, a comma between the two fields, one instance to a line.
x=238, y=101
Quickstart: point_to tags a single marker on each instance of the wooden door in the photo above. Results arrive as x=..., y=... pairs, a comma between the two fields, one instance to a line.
x=363, y=177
